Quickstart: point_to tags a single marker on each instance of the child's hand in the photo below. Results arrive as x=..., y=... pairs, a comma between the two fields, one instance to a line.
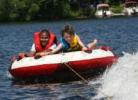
x=45, y=53
x=84, y=49
x=39, y=55
x=42, y=54
x=95, y=41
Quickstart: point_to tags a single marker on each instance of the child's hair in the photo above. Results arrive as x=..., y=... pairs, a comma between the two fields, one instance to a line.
x=45, y=31
x=67, y=29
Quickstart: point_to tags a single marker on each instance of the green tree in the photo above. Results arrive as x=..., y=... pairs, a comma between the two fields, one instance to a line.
x=4, y=10
x=26, y=10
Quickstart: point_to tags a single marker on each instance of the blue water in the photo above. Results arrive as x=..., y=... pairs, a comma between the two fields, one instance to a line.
x=119, y=33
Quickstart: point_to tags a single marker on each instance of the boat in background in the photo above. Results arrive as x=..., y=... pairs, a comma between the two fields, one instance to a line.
x=131, y=8
x=103, y=10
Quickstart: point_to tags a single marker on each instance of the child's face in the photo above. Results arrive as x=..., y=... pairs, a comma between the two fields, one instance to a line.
x=44, y=39
x=68, y=37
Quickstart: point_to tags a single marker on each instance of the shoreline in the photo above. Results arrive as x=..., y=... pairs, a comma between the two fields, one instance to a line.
x=116, y=15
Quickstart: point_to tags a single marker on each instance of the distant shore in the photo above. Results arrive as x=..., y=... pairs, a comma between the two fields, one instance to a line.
x=65, y=19
x=50, y=10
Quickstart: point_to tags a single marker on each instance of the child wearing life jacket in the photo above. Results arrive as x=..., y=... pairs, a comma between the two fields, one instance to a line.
x=44, y=42
x=70, y=41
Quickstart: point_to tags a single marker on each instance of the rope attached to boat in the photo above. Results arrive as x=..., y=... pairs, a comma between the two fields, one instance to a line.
x=81, y=77
x=77, y=74
x=85, y=80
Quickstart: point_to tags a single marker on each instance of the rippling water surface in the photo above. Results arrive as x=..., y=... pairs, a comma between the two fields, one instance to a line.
x=119, y=33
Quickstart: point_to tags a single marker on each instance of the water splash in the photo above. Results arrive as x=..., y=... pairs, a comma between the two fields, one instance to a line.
x=120, y=82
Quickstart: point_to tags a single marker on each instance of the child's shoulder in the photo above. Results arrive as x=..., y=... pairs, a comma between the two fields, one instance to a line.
x=76, y=35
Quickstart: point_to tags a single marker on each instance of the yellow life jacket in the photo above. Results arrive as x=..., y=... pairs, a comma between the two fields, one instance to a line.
x=74, y=45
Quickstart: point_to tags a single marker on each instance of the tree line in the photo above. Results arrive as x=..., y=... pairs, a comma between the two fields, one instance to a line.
x=28, y=10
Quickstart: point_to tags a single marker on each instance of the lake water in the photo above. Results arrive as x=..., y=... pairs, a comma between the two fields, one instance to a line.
x=119, y=33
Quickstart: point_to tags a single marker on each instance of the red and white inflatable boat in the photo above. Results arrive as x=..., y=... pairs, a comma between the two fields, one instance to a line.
x=55, y=64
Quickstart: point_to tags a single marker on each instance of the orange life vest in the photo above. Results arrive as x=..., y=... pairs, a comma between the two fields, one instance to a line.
x=37, y=43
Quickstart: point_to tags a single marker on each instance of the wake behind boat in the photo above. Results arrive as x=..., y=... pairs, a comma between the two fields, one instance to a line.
x=56, y=65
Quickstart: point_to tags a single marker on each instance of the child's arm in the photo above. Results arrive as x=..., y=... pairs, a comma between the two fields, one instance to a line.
x=81, y=43
x=51, y=51
x=92, y=44
x=57, y=49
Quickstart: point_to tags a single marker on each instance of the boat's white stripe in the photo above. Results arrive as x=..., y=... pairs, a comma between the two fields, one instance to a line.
x=61, y=58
